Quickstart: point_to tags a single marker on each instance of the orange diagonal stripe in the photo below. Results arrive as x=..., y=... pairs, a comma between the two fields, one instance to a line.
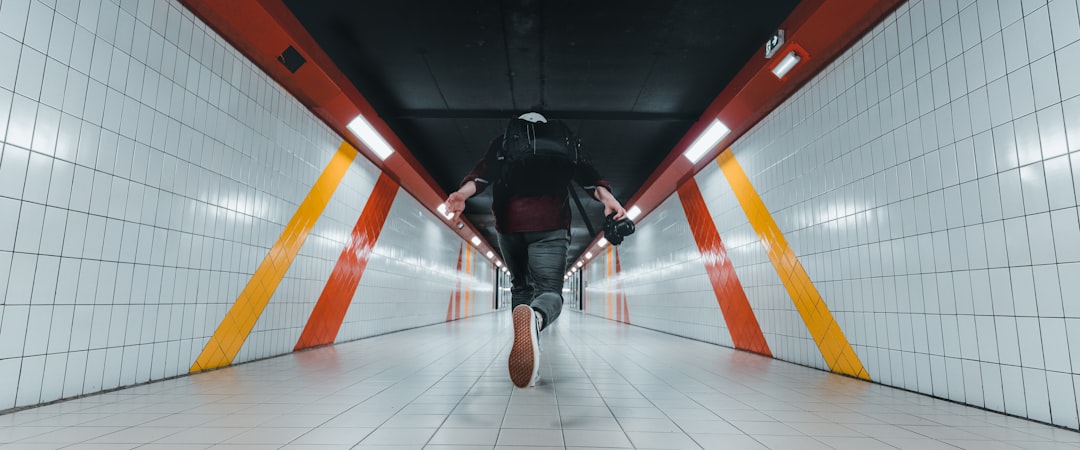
x=452, y=312
x=834, y=347
x=741, y=322
x=238, y=322
x=329, y=312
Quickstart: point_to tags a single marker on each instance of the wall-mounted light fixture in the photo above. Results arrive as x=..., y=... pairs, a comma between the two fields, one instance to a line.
x=790, y=60
x=603, y=242
x=475, y=240
x=706, y=141
x=633, y=212
x=442, y=210
x=371, y=138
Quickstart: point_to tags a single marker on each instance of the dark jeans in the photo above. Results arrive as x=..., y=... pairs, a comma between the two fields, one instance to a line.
x=537, y=263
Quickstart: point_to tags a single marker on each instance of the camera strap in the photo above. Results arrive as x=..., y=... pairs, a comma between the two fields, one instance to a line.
x=584, y=215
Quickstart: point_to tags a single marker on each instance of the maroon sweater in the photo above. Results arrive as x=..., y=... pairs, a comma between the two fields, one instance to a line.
x=516, y=212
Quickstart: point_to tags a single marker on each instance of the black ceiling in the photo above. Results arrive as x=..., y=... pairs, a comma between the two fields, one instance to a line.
x=630, y=77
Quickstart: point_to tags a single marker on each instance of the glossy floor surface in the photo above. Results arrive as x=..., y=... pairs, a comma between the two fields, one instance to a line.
x=603, y=385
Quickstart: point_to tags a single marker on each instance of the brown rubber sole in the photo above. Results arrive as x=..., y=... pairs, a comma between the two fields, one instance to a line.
x=521, y=353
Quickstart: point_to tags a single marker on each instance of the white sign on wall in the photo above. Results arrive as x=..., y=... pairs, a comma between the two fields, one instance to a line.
x=774, y=43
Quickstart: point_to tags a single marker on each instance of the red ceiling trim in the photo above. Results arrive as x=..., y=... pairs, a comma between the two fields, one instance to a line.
x=262, y=30
x=822, y=29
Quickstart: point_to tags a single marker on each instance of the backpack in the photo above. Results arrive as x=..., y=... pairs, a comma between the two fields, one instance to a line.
x=524, y=142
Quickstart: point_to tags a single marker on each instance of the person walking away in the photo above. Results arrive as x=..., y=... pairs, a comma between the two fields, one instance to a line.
x=530, y=168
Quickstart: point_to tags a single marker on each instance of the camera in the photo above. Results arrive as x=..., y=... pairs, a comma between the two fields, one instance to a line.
x=616, y=230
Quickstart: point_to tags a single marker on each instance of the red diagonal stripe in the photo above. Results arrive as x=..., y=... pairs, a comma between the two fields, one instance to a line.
x=325, y=321
x=741, y=322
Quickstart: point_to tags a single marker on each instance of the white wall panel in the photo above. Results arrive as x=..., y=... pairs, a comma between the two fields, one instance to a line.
x=277, y=330
x=780, y=322
x=412, y=274
x=662, y=279
x=988, y=249
x=923, y=180
x=146, y=168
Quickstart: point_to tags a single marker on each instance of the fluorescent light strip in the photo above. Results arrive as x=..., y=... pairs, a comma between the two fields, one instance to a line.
x=789, y=61
x=371, y=138
x=603, y=242
x=633, y=213
x=706, y=141
x=475, y=240
x=442, y=210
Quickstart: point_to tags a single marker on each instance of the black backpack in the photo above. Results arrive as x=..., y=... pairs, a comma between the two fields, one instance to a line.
x=525, y=142
x=552, y=150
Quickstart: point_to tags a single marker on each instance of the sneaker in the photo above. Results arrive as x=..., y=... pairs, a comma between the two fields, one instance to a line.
x=524, y=363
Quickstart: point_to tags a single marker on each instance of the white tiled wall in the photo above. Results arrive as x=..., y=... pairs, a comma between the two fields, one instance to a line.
x=780, y=322
x=146, y=167
x=663, y=279
x=282, y=321
x=928, y=182
x=412, y=275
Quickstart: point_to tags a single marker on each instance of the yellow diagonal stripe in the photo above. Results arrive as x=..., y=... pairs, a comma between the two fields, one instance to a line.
x=238, y=322
x=835, y=349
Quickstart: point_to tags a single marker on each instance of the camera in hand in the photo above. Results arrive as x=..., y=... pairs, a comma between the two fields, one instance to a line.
x=616, y=230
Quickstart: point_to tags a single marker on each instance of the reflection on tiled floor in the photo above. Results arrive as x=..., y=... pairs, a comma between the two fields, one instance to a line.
x=603, y=385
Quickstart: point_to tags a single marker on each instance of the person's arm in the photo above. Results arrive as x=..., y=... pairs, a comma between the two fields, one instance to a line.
x=611, y=205
x=589, y=179
x=475, y=182
x=455, y=202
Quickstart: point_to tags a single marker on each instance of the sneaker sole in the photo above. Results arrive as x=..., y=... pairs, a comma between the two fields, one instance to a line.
x=522, y=360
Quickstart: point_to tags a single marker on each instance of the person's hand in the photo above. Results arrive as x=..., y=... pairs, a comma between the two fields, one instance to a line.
x=611, y=205
x=455, y=203
x=614, y=207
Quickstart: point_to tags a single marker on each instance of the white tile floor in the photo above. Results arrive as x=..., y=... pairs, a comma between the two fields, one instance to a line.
x=603, y=385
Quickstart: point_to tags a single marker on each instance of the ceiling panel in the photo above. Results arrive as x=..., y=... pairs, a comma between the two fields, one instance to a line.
x=630, y=77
